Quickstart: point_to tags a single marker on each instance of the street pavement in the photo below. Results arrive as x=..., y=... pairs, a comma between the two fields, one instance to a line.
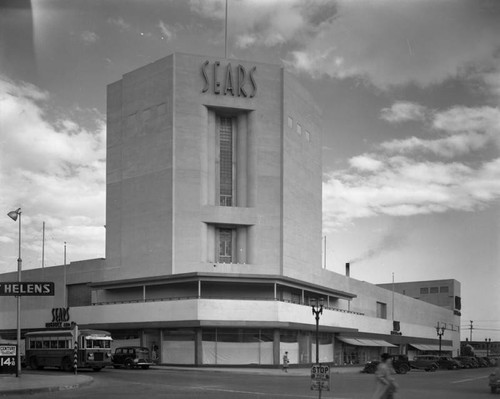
x=30, y=382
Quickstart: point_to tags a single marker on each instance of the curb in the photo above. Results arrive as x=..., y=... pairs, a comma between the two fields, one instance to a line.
x=54, y=388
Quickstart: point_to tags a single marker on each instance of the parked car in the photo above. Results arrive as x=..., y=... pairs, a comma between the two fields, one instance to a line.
x=425, y=362
x=131, y=357
x=448, y=363
x=494, y=380
x=490, y=361
x=482, y=362
x=400, y=364
x=468, y=362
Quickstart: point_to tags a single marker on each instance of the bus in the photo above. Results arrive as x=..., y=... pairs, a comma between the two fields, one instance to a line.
x=56, y=348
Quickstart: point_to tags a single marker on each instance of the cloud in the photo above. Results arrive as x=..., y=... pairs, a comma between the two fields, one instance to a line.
x=407, y=187
x=365, y=163
x=465, y=129
x=89, y=37
x=403, y=111
x=393, y=43
x=166, y=31
x=396, y=180
x=54, y=169
x=268, y=23
x=386, y=43
x=447, y=147
x=464, y=119
x=120, y=23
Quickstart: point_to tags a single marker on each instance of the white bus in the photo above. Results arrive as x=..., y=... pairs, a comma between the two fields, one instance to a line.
x=55, y=348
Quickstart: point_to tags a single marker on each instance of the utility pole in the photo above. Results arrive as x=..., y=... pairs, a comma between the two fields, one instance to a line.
x=471, y=328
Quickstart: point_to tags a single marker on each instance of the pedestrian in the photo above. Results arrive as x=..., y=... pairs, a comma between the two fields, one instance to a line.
x=285, y=362
x=386, y=385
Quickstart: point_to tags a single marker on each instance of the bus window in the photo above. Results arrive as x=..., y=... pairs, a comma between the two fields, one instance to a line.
x=38, y=344
x=53, y=344
x=46, y=344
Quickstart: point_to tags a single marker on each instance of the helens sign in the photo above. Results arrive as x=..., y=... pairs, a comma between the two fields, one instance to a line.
x=27, y=289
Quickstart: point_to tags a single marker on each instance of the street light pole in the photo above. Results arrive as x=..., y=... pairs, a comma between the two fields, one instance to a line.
x=440, y=332
x=317, y=309
x=487, y=340
x=14, y=215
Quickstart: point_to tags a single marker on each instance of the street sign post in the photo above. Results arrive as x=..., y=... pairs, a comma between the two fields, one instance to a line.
x=27, y=288
x=320, y=378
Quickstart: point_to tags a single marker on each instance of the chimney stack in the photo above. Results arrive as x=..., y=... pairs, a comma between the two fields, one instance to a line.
x=347, y=269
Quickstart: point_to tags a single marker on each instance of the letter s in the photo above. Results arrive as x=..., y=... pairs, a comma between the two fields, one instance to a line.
x=252, y=80
x=205, y=76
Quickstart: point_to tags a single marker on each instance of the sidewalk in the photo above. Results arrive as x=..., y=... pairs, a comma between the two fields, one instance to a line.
x=295, y=371
x=31, y=382
x=34, y=381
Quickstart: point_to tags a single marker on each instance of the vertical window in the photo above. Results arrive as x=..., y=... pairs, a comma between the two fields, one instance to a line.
x=290, y=122
x=381, y=310
x=225, y=245
x=226, y=161
x=299, y=128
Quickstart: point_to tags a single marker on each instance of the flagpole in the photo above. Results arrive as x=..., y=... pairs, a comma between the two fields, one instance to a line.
x=43, y=250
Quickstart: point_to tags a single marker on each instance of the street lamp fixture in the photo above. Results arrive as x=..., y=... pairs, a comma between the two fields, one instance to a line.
x=14, y=215
x=488, y=341
x=317, y=309
x=440, y=332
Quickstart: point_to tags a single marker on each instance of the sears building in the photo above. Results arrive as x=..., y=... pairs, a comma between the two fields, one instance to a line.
x=214, y=230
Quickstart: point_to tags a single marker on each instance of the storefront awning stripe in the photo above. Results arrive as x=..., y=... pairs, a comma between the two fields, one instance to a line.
x=375, y=342
x=423, y=347
x=350, y=341
x=380, y=342
x=366, y=342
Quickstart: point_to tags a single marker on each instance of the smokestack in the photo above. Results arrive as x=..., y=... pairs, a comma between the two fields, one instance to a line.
x=347, y=269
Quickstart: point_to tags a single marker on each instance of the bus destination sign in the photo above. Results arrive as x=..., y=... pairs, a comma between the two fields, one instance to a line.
x=25, y=288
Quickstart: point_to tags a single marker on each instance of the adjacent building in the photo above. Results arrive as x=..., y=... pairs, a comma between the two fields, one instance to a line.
x=213, y=231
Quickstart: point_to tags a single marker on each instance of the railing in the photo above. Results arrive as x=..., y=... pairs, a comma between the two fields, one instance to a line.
x=219, y=298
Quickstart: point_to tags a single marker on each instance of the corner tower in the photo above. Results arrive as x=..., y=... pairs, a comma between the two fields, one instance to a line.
x=213, y=165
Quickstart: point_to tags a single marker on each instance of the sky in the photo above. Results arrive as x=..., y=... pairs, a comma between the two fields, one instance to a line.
x=410, y=93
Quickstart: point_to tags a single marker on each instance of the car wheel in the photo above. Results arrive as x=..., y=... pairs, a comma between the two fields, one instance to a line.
x=434, y=367
x=129, y=364
x=403, y=369
x=33, y=363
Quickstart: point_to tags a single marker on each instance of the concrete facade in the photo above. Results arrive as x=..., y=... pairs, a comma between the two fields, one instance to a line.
x=161, y=170
x=172, y=280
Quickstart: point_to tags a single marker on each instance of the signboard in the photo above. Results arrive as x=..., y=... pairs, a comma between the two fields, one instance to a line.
x=320, y=377
x=8, y=354
x=60, y=319
x=27, y=288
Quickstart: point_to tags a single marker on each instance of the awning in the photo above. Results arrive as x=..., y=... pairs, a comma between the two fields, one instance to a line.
x=350, y=341
x=366, y=342
x=425, y=347
x=379, y=342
